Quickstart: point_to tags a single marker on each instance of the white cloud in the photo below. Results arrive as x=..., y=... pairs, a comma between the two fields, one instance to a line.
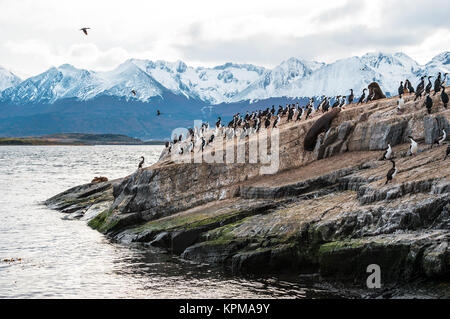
x=39, y=34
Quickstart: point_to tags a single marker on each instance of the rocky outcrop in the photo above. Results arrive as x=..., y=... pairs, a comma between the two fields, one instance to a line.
x=327, y=210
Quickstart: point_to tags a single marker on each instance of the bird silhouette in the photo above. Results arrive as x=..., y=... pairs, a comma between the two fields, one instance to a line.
x=133, y=92
x=84, y=30
x=141, y=163
x=158, y=113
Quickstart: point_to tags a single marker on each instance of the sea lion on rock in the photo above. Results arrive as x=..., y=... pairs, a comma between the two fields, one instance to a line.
x=321, y=125
x=99, y=179
x=375, y=91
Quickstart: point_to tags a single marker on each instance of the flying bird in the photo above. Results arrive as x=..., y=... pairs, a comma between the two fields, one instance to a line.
x=84, y=30
x=133, y=92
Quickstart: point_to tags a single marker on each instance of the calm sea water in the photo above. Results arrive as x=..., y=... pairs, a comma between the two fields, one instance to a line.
x=67, y=259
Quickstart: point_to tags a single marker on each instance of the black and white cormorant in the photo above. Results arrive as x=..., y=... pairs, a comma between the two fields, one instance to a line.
x=325, y=106
x=133, y=92
x=203, y=143
x=447, y=153
x=413, y=147
x=363, y=96
x=400, y=103
x=429, y=85
x=428, y=103
x=211, y=139
x=401, y=89
x=267, y=122
x=441, y=139
x=437, y=84
x=391, y=173
x=276, y=121
x=420, y=88
x=388, y=153
x=351, y=97
x=300, y=114
x=141, y=163
x=444, y=81
x=290, y=114
x=336, y=102
x=409, y=86
x=444, y=97
x=309, y=111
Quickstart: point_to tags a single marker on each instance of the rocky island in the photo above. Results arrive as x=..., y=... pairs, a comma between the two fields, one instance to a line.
x=326, y=211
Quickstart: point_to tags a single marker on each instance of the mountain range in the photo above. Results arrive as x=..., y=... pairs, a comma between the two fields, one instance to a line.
x=68, y=99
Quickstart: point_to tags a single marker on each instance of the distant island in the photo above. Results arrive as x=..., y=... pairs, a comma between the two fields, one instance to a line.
x=77, y=139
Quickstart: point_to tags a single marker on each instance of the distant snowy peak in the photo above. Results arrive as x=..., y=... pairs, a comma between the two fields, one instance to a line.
x=276, y=82
x=65, y=81
x=298, y=78
x=214, y=85
x=440, y=63
x=7, y=79
x=229, y=82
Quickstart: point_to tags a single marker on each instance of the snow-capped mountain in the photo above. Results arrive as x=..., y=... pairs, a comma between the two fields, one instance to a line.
x=7, y=79
x=226, y=83
x=212, y=85
x=339, y=77
x=278, y=82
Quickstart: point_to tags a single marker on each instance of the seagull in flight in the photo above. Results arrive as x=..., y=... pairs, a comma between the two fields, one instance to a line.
x=85, y=30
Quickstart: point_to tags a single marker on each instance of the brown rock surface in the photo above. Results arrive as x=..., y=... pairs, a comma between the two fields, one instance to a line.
x=320, y=207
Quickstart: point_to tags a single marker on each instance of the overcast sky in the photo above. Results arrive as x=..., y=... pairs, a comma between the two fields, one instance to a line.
x=38, y=34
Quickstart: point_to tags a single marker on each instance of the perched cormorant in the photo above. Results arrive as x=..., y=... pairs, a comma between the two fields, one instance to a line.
x=85, y=30
x=428, y=103
x=437, y=84
x=325, y=106
x=351, y=97
x=447, y=153
x=336, y=102
x=363, y=96
x=420, y=88
x=342, y=102
x=400, y=103
x=413, y=148
x=444, y=97
x=300, y=114
x=401, y=90
x=409, y=86
x=203, y=143
x=308, y=112
x=211, y=139
x=291, y=114
x=391, y=173
x=441, y=139
x=141, y=163
x=429, y=85
x=267, y=122
x=444, y=81
x=276, y=121
x=388, y=153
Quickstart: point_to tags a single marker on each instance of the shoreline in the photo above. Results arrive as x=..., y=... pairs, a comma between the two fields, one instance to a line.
x=334, y=220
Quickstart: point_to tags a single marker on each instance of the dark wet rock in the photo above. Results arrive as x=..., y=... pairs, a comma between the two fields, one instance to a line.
x=334, y=221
